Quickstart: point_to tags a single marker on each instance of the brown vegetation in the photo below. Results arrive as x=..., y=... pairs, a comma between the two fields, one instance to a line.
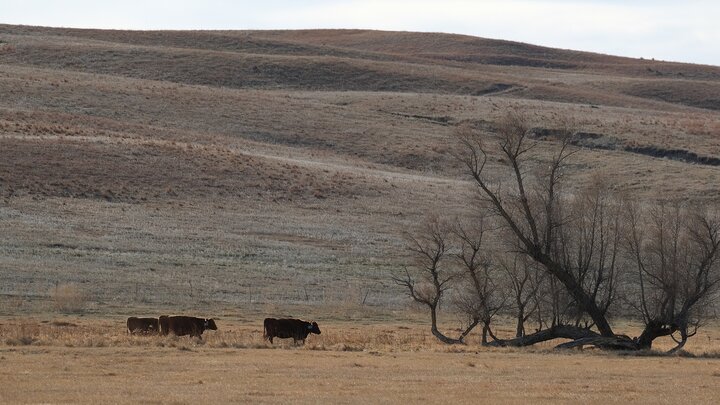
x=275, y=173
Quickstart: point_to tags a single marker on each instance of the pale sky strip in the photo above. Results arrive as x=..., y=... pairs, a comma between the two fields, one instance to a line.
x=684, y=31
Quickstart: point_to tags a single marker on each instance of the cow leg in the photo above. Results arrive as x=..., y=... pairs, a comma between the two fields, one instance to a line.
x=270, y=338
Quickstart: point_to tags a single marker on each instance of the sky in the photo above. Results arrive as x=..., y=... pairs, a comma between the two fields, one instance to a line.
x=682, y=30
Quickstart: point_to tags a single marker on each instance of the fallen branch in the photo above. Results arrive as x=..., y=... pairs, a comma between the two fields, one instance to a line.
x=555, y=332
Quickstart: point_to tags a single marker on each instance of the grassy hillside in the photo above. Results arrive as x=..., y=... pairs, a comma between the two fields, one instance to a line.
x=208, y=169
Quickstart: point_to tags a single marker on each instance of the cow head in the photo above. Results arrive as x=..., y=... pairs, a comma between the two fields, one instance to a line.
x=313, y=328
x=210, y=324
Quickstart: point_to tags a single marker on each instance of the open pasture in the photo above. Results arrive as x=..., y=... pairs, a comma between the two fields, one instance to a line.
x=86, y=360
x=246, y=174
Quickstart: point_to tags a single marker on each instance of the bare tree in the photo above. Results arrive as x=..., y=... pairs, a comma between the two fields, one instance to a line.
x=675, y=250
x=571, y=259
x=588, y=243
x=429, y=250
x=481, y=297
x=524, y=282
x=534, y=211
x=577, y=239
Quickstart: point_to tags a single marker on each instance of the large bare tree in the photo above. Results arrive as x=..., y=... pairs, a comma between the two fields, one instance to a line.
x=579, y=254
x=538, y=215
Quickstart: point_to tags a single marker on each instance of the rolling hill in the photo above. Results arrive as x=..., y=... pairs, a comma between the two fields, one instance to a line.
x=201, y=169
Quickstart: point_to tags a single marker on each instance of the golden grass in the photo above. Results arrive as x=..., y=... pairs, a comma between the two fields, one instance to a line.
x=362, y=335
x=168, y=375
x=83, y=360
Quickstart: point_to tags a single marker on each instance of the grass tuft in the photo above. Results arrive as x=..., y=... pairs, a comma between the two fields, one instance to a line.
x=69, y=298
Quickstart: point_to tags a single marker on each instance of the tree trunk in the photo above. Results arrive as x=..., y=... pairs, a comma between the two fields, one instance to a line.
x=439, y=335
x=653, y=330
x=587, y=303
x=520, y=328
x=612, y=343
x=681, y=343
x=556, y=332
x=469, y=329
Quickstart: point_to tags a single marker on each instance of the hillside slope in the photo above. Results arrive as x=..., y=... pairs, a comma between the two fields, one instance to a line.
x=211, y=168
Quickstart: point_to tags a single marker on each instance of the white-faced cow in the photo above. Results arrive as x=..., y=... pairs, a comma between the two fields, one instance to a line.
x=289, y=328
x=185, y=325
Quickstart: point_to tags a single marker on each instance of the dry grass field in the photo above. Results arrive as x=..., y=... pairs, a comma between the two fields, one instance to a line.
x=162, y=375
x=243, y=174
x=75, y=360
x=159, y=375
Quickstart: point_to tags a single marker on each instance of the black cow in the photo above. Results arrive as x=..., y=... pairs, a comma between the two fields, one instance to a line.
x=145, y=326
x=185, y=325
x=163, y=321
x=289, y=328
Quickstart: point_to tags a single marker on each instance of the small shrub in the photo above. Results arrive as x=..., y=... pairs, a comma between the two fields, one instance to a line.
x=69, y=298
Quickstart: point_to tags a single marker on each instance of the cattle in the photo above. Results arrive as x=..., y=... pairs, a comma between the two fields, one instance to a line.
x=145, y=326
x=185, y=325
x=289, y=328
x=163, y=321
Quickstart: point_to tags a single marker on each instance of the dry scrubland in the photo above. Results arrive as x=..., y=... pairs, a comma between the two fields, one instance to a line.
x=244, y=174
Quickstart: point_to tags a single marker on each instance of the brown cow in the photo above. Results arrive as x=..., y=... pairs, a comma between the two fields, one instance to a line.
x=185, y=325
x=145, y=326
x=289, y=328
